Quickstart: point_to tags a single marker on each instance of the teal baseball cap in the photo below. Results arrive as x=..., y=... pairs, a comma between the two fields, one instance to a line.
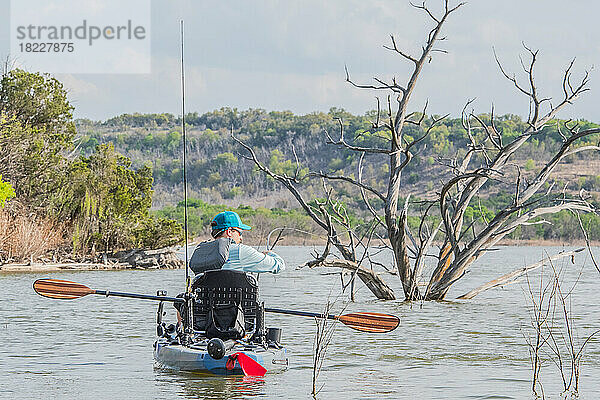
x=227, y=219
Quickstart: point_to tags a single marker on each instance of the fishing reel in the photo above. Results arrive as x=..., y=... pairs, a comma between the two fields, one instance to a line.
x=166, y=331
x=274, y=337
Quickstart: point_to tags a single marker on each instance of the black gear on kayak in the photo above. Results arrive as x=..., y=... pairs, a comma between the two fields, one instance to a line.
x=227, y=305
x=211, y=255
x=216, y=348
x=225, y=320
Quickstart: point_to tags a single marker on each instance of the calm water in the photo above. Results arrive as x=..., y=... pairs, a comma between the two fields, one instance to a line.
x=99, y=348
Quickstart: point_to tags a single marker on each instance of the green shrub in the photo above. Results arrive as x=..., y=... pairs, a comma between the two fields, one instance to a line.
x=6, y=192
x=529, y=165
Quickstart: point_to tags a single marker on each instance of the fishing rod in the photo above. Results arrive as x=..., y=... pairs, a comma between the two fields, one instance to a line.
x=189, y=323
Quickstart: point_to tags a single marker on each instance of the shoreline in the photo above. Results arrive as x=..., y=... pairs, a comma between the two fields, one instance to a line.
x=547, y=243
x=119, y=266
x=141, y=259
x=55, y=267
x=503, y=243
x=289, y=241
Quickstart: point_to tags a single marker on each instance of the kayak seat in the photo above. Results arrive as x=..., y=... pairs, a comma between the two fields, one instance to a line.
x=220, y=291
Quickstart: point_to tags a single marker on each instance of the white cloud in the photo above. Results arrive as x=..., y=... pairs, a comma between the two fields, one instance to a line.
x=78, y=87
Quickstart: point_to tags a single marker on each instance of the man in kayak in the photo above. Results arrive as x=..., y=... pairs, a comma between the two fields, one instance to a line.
x=227, y=252
x=227, y=224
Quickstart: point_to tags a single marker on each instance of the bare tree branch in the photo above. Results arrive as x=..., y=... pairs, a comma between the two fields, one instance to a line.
x=342, y=142
x=511, y=277
x=397, y=50
x=361, y=185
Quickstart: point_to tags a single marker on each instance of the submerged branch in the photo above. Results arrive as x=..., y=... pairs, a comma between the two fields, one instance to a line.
x=512, y=276
x=370, y=278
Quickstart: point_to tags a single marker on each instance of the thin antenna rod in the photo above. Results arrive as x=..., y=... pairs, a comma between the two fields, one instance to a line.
x=185, y=215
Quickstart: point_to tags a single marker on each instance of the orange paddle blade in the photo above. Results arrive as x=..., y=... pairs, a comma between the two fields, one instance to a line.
x=370, y=322
x=59, y=289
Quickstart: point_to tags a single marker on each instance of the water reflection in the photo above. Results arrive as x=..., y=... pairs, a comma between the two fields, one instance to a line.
x=203, y=386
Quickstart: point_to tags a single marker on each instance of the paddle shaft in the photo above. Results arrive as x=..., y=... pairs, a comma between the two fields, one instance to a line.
x=301, y=313
x=180, y=300
x=362, y=321
x=138, y=296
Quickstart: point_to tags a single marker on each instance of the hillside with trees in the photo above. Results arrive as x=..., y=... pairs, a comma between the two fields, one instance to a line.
x=218, y=174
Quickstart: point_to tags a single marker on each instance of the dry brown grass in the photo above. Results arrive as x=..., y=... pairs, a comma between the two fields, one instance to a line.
x=25, y=237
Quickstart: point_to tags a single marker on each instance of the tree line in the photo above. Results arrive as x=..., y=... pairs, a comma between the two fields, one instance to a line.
x=217, y=173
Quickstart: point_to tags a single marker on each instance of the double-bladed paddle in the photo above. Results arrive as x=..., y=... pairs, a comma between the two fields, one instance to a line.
x=360, y=321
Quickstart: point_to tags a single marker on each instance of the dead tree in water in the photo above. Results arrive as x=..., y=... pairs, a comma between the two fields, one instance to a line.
x=484, y=161
x=459, y=250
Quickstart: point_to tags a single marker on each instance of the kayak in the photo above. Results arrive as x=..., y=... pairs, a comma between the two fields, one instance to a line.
x=228, y=338
x=196, y=358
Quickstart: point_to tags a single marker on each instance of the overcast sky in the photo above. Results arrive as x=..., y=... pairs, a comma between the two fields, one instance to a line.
x=290, y=55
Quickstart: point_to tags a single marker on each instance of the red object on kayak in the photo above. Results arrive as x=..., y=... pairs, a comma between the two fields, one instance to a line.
x=249, y=365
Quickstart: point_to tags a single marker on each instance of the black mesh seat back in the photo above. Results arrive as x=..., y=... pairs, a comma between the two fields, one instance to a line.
x=227, y=287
